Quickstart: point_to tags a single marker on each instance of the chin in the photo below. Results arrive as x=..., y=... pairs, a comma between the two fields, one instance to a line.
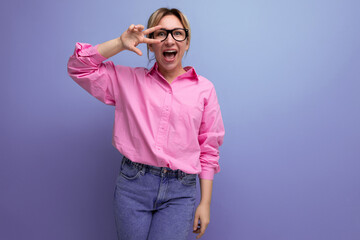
x=169, y=66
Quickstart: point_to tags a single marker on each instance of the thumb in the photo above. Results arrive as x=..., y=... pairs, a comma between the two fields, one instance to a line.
x=196, y=221
x=136, y=50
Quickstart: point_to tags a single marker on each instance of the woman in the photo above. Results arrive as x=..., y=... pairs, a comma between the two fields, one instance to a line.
x=168, y=126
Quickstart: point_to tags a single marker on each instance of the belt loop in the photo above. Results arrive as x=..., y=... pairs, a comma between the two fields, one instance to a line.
x=180, y=174
x=142, y=169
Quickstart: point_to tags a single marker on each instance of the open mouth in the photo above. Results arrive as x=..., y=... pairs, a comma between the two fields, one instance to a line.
x=169, y=55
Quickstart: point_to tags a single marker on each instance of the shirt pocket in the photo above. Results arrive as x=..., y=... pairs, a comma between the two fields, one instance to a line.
x=184, y=136
x=191, y=116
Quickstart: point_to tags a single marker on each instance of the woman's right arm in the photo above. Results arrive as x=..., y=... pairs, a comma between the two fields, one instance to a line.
x=86, y=66
x=111, y=47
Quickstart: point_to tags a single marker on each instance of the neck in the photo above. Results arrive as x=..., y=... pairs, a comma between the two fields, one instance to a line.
x=171, y=75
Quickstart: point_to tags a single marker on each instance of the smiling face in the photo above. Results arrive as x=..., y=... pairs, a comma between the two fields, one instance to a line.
x=170, y=52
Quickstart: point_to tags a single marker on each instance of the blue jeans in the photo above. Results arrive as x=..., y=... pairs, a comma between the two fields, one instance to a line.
x=153, y=203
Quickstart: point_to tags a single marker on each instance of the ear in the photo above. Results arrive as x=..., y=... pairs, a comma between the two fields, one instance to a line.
x=150, y=47
x=187, y=45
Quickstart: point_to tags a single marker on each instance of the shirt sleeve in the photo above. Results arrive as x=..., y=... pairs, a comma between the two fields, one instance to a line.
x=87, y=69
x=211, y=135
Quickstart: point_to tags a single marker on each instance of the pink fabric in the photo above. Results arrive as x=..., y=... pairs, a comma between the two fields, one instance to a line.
x=177, y=125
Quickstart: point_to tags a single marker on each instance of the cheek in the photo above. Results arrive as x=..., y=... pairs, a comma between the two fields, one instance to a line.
x=156, y=48
x=153, y=48
x=157, y=53
x=184, y=48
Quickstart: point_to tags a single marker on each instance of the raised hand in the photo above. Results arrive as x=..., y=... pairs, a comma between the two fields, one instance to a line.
x=135, y=35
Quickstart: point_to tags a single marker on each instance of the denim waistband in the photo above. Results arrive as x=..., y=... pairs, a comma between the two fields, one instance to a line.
x=160, y=171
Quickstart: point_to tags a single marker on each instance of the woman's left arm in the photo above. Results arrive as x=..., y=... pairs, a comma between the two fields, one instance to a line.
x=203, y=210
x=211, y=135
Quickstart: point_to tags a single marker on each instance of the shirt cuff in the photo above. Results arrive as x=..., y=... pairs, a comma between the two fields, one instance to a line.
x=207, y=174
x=87, y=50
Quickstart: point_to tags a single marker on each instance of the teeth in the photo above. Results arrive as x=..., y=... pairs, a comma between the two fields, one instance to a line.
x=171, y=51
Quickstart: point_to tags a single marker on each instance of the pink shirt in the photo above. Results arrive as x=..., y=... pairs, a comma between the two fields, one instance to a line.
x=177, y=125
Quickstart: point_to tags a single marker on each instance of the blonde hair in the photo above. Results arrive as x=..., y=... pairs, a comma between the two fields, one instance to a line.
x=156, y=17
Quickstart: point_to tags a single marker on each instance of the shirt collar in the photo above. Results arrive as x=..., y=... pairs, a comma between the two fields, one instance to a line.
x=190, y=72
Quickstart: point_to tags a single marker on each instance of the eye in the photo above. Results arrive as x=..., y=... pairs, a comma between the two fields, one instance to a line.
x=160, y=34
x=178, y=33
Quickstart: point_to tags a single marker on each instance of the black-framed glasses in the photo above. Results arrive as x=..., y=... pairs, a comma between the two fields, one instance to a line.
x=178, y=34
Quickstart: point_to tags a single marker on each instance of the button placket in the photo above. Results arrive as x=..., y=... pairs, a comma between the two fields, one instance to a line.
x=164, y=121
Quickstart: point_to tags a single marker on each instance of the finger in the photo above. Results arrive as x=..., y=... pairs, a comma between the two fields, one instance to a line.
x=131, y=28
x=150, y=40
x=153, y=29
x=202, y=230
x=197, y=230
x=200, y=234
x=196, y=222
x=136, y=50
x=140, y=27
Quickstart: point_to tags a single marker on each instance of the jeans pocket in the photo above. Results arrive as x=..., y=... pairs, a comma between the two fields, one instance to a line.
x=129, y=171
x=188, y=180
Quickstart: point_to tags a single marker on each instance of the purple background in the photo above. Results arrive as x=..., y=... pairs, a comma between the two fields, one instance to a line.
x=287, y=77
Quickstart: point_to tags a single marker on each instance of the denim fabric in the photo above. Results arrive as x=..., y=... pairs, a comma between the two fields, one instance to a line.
x=153, y=203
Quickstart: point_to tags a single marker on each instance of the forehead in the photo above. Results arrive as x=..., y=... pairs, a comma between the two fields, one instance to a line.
x=170, y=22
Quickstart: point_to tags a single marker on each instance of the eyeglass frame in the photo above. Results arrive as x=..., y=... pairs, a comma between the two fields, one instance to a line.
x=151, y=35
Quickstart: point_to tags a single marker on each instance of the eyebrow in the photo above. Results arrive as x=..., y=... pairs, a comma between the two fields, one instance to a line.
x=171, y=29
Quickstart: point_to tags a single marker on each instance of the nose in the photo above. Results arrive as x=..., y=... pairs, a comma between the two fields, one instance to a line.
x=169, y=40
